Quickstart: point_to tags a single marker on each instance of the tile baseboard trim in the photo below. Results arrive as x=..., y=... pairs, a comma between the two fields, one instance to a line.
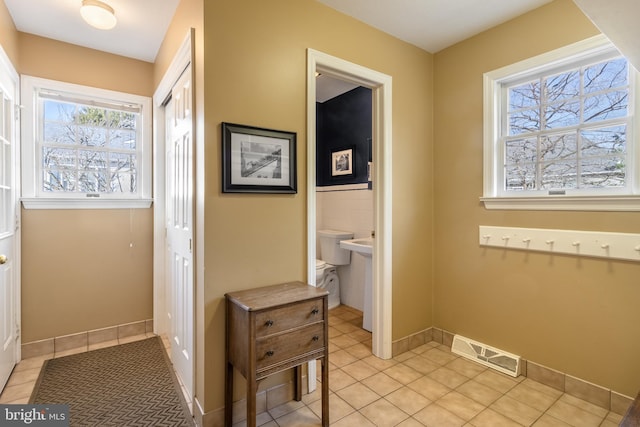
x=84, y=339
x=576, y=387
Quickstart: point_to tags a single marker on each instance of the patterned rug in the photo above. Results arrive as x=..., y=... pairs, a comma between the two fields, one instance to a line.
x=125, y=385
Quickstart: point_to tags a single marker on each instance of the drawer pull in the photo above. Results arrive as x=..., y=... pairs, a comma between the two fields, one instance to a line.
x=269, y=353
x=315, y=338
x=315, y=311
x=268, y=323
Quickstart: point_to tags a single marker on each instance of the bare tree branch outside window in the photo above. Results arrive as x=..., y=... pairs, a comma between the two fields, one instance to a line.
x=569, y=130
x=87, y=149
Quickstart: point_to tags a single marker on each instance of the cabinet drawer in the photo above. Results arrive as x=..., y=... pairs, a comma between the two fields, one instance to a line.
x=281, y=319
x=277, y=348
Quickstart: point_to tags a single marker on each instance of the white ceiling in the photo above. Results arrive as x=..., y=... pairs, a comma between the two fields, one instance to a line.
x=141, y=26
x=433, y=25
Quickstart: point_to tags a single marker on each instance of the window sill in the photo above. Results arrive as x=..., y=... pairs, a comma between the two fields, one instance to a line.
x=41, y=203
x=564, y=203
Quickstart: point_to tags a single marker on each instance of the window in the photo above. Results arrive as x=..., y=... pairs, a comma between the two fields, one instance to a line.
x=559, y=131
x=84, y=147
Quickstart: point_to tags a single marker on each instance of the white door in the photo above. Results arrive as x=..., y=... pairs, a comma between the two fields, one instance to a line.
x=179, y=216
x=8, y=222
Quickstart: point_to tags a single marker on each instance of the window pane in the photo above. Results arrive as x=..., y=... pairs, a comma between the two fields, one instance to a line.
x=59, y=180
x=605, y=75
x=558, y=147
x=61, y=112
x=562, y=114
x=58, y=158
x=524, y=96
x=521, y=176
x=603, y=172
x=92, y=116
x=58, y=133
x=524, y=121
x=122, y=139
x=123, y=182
x=608, y=105
x=519, y=150
x=562, y=86
x=121, y=119
x=92, y=160
x=603, y=141
x=560, y=174
x=92, y=182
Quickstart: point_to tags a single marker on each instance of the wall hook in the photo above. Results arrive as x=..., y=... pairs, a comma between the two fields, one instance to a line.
x=605, y=246
x=576, y=243
x=526, y=240
x=549, y=242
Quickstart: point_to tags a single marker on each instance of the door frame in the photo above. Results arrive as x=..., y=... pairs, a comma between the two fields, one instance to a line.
x=380, y=85
x=181, y=60
x=7, y=66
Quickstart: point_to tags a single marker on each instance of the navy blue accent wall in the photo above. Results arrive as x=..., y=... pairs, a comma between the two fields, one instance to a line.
x=342, y=123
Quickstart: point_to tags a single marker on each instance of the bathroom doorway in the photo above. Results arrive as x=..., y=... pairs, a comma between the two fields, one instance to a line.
x=380, y=85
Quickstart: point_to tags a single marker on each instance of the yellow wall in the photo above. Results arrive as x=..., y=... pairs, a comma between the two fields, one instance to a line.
x=255, y=66
x=578, y=316
x=78, y=269
x=8, y=34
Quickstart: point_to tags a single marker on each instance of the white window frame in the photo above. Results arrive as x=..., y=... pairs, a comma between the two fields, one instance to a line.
x=493, y=195
x=32, y=195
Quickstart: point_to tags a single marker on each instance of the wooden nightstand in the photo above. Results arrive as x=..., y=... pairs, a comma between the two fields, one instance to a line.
x=271, y=329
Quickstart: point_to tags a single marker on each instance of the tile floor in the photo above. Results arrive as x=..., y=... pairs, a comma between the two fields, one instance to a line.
x=427, y=386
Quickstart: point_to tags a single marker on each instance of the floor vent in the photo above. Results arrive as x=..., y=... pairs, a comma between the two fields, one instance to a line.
x=502, y=361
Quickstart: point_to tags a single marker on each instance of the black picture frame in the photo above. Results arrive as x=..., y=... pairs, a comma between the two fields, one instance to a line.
x=258, y=160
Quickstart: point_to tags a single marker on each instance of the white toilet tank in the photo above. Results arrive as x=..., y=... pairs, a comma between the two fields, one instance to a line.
x=330, y=250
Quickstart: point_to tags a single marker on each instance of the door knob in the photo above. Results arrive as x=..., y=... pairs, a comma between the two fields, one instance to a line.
x=3, y=259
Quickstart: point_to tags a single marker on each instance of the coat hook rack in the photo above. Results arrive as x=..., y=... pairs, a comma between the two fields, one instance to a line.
x=625, y=246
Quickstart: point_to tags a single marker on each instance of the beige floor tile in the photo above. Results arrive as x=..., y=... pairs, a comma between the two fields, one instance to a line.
x=338, y=408
x=516, y=411
x=402, y=373
x=344, y=341
x=360, y=370
x=303, y=417
x=531, y=397
x=334, y=333
x=383, y=414
x=479, y=392
x=382, y=383
x=496, y=381
x=429, y=388
x=422, y=348
x=70, y=352
x=346, y=328
x=32, y=363
x=439, y=356
x=490, y=418
x=16, y=392
x=358, y=395
x=404, y=356
x=465, y=367
x=614, y=418
x=547, y=420
x=24, y=376
x=410, y=422
x=356, y=419
x=380, y=364
x=339, y=379
x=573, y=415
x=421, y=364
x=103, y=344
x=132, y=338
x=448, y=377
x=284, y=409
x=460, y=405
x=361, y=335
x=313, y=396
x=408, y=400
x=341, y=358
x=434, y=415
x=263, y=419
x=584, y=405
x=359, y=351
x=542, y=388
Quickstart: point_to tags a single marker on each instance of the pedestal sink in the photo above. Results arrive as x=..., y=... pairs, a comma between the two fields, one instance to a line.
x=364, y=247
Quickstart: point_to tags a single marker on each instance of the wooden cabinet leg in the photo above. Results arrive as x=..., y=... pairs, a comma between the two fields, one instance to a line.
x=228, y=396
x=297, y=382
x=252, y=389
x=325, y=392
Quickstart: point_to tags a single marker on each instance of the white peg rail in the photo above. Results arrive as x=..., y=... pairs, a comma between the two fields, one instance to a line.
x=581, y=243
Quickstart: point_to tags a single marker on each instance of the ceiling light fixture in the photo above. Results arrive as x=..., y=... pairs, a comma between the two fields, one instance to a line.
x=98, y=14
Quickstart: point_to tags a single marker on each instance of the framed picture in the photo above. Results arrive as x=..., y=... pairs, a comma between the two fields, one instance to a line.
x=257, y=160
x=342, y=162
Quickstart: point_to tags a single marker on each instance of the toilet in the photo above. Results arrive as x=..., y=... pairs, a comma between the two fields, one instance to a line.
x=331, y=255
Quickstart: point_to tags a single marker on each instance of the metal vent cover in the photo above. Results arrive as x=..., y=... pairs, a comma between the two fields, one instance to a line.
x=499, y=360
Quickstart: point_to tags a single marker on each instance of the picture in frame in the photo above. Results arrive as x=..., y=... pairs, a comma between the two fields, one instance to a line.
x=258, y=160
x=342, y=162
